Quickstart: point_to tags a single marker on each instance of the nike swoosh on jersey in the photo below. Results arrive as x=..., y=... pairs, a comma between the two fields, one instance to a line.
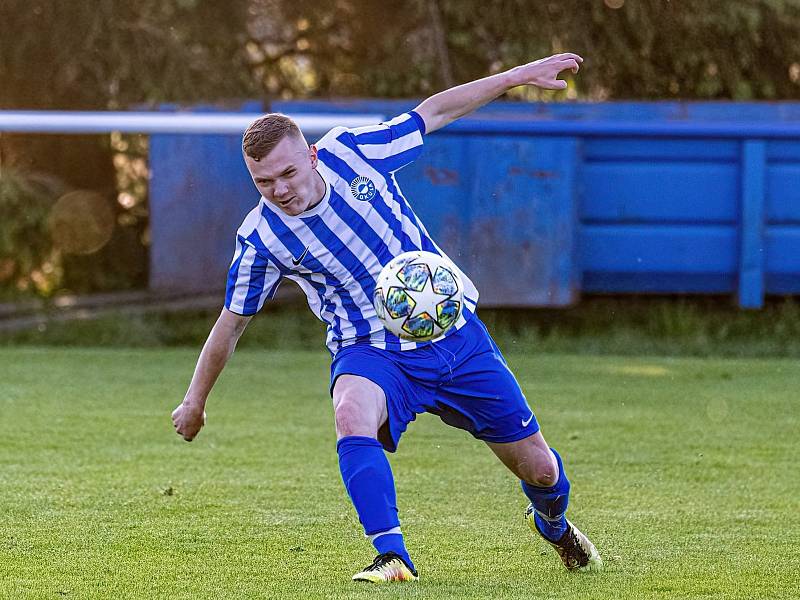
x=528, y=420
x=299, y=260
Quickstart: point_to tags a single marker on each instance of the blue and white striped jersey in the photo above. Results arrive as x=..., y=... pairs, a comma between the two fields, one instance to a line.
x=335, y=250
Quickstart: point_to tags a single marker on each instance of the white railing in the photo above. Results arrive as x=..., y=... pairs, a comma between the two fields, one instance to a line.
x=158, y=122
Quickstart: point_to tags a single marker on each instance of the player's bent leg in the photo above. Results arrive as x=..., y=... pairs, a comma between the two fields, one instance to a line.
x=545, y=483
x=359, y=411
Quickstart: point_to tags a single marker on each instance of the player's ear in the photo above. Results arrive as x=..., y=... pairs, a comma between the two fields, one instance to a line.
x=312, y=155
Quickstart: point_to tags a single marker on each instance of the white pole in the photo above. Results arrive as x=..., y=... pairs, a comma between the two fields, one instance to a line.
x=152, y=122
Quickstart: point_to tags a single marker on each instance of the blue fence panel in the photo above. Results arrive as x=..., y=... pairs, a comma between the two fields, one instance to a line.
x=659, y=215
x=782, y=217
x=503, y=208
x=540, y=202
x=200, y=191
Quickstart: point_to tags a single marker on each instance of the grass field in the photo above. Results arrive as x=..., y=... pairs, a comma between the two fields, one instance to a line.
x=684, y=473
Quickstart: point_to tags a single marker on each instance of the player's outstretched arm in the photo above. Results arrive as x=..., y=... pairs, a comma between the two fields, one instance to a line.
x=449, y=105
x=189, y=417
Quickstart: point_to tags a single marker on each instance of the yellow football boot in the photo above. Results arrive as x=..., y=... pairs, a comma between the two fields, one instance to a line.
x=386, y=568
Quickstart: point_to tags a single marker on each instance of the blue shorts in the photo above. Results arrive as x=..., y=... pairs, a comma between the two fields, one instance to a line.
x=463, y=379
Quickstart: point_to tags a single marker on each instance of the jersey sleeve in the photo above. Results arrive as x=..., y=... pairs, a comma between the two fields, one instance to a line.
x=252, y=279
x=390, y=145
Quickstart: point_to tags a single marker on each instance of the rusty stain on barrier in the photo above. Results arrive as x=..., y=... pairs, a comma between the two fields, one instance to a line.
x=439, y=176
x=535, y=173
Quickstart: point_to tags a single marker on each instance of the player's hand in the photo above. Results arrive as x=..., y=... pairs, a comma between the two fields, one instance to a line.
x=543, y=72
x=188, y=419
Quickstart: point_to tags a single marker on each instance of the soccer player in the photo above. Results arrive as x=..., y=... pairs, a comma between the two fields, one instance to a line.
x=330, y=216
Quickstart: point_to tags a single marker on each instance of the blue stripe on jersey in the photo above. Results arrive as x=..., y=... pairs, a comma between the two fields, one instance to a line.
x=258, y=271
x=343, y=170
x=233, y=272
x=296, y=247
x=256, y=284
x=360, y=227
x=348, y=260
x=384, y=136
x=396, y=161
x=405, y=210
x=420, y=121
x=256, y=241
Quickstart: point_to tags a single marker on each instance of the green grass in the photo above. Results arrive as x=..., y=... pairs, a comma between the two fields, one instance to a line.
x=629, y=326
x=684, y=473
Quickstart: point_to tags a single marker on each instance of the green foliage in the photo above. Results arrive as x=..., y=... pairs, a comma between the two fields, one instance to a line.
x=111, y=54
x=28, y=260
x=645, y=49
x=43, y=237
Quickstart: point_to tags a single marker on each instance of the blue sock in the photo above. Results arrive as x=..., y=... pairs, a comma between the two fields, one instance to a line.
x=550, y=503
x=368, y=479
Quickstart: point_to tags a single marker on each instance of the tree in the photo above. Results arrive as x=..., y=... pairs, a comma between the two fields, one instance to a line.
x=111, y=54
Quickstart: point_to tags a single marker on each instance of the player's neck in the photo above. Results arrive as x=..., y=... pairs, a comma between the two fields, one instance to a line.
x=319, y=190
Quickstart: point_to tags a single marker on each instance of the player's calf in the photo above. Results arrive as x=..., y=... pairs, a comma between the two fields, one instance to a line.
x=546, y=515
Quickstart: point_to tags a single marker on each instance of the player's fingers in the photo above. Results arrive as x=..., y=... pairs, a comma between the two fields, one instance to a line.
x=570, y=56
x=570, y=64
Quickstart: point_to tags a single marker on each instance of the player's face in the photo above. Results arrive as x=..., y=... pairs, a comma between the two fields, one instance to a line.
x=286, y=176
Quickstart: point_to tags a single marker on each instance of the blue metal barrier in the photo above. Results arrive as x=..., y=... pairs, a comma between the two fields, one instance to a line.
x=539, y=203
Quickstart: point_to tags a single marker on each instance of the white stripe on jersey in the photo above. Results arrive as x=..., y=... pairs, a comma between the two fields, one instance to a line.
x=243, y=281
x=401, y=144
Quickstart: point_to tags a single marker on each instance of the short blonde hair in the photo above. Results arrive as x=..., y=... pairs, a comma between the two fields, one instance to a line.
x=266, y=132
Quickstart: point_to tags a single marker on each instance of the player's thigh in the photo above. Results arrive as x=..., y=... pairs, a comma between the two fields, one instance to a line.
x=359, y=406
x=480, y=393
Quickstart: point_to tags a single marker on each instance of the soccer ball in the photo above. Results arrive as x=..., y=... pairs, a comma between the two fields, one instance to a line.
x=418, y=296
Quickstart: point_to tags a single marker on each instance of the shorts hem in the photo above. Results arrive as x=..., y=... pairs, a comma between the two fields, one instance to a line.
x=507, y=439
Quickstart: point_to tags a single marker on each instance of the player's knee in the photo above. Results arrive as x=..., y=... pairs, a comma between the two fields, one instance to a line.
x=358, y=407
x=351, y=419
x=540, y=470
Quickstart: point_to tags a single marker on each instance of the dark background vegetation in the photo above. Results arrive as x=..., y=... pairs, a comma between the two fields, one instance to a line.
x=115, y=55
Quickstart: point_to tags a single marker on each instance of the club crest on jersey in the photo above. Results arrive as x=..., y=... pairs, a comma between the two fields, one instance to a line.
x=362, y=188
